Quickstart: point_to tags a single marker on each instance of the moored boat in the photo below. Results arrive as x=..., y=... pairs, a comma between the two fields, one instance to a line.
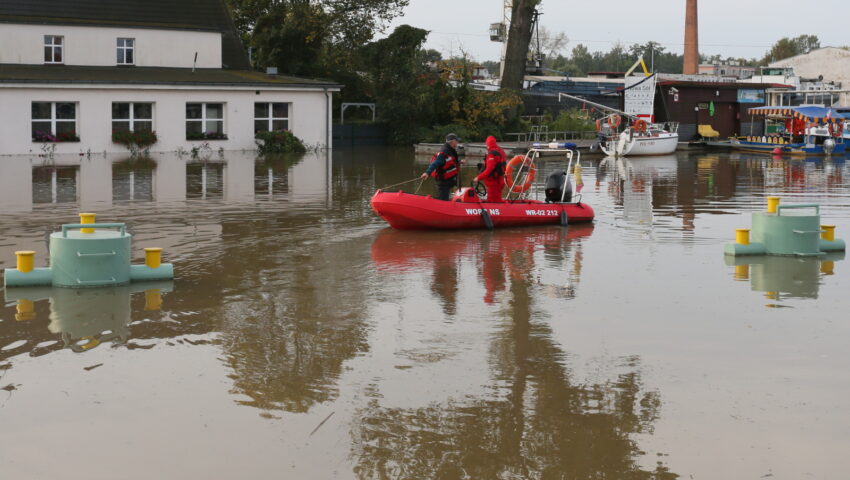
x=800, y=131
x=641, y=139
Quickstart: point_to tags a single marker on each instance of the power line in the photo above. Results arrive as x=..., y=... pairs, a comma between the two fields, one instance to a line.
x=579, y=40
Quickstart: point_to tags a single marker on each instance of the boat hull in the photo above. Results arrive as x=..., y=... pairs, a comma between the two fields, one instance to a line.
x=414, y=212
x=798, y=149
x=663, y=144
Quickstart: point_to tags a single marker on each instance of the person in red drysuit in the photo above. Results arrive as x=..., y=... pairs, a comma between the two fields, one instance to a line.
x=493, y=175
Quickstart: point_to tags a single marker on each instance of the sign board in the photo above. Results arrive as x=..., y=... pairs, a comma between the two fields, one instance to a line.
x=746, y=95
x=640, y=96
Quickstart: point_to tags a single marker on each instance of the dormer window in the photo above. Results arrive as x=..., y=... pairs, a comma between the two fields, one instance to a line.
x=53, y=48
x=126, y=47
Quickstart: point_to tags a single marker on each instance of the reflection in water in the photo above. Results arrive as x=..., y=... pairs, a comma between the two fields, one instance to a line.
x=132, y=180
x=536, y=423
x=784, y=277
x=528, y=353
x=85, y=318
x=54, y=184
x=205, y=180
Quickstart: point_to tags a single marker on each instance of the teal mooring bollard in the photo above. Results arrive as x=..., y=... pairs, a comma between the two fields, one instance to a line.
x=84, y=255
x=789, y=231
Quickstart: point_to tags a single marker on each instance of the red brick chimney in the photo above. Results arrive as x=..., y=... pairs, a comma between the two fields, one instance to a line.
x=691, y=65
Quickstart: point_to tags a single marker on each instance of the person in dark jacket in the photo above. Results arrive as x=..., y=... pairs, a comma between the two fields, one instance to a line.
x=444, y=167
x=493, y=175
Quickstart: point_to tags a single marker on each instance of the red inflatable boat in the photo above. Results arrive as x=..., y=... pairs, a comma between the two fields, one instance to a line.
x=415, y=212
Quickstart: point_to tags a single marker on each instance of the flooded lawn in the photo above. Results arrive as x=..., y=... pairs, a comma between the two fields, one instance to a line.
x=301, y=338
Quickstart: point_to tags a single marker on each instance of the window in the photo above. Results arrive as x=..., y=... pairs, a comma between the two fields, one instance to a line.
x=53, y=48
x=132, y=117
x=205, y=121
x=126, y=49
x=271, y=117
x=54, y=122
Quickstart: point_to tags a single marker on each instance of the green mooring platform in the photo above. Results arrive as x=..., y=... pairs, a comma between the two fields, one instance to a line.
x=786, y=230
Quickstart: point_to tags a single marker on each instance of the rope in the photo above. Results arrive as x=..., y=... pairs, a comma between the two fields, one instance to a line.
x=402, y=183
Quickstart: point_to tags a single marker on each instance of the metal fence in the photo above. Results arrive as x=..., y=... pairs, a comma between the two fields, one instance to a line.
x=547, y=136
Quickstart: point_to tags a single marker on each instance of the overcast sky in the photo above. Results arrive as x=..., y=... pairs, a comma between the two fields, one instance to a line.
x=739, y=28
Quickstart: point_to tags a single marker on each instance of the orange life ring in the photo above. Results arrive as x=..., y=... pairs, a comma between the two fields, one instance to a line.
x=614, y=121
x=640, y=125
x=529, y=178
x=834, y=132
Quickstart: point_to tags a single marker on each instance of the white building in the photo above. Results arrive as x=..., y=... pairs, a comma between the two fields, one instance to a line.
x=72, y=73
x=821, y=76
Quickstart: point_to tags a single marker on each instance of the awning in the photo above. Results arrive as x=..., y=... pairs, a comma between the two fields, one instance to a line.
x=817, y=115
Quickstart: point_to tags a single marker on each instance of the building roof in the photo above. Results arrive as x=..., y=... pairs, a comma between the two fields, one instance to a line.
x=206, y=15
x=72, y=74
x=722, y=85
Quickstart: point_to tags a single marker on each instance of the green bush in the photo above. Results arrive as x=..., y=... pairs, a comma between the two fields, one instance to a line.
x=132, y=140
x=569, y=121
x=437, y=133
x=281, y=141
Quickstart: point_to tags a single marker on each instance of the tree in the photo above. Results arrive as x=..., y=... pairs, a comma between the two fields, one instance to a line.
x=788, y=47
x=516, y=52
x=349, y=22
x=552, y=44
x=290, y=37
x=806, y=43
x=394, y=67
x=582, y=59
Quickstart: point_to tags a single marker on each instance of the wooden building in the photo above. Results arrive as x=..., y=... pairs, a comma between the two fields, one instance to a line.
x=723, y=105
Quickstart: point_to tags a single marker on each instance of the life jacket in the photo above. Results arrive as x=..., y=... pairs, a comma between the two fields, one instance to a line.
x=449, y=169
x=499, y=171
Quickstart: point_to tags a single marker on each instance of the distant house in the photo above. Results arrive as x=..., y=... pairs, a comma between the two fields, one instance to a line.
x=727, y=69
x=72, y=73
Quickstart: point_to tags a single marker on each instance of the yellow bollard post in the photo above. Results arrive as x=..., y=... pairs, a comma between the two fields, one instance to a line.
x=826, y=267
x=153, y=257
x=827, y=232
x=25, y=309
x=25, y=260
x=153, y=300
x=742, y=236
x=742, y=272
x=577, y=175
x=772, y=203
x=86, y=218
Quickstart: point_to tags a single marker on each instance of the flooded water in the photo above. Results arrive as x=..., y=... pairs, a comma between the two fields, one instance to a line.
x=303, y=339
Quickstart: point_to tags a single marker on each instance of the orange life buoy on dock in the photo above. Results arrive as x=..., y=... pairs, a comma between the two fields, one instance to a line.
x=640, y=125
x=529, y=178
x=614, y=121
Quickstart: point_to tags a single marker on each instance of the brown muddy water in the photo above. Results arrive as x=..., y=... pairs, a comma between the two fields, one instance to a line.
x=302, y=339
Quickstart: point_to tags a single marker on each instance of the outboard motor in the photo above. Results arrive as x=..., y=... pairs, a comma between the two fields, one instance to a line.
x=556, y=185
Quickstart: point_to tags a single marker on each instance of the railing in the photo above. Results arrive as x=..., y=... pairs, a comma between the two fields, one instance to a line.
x=122, y=227
x=546, y=136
